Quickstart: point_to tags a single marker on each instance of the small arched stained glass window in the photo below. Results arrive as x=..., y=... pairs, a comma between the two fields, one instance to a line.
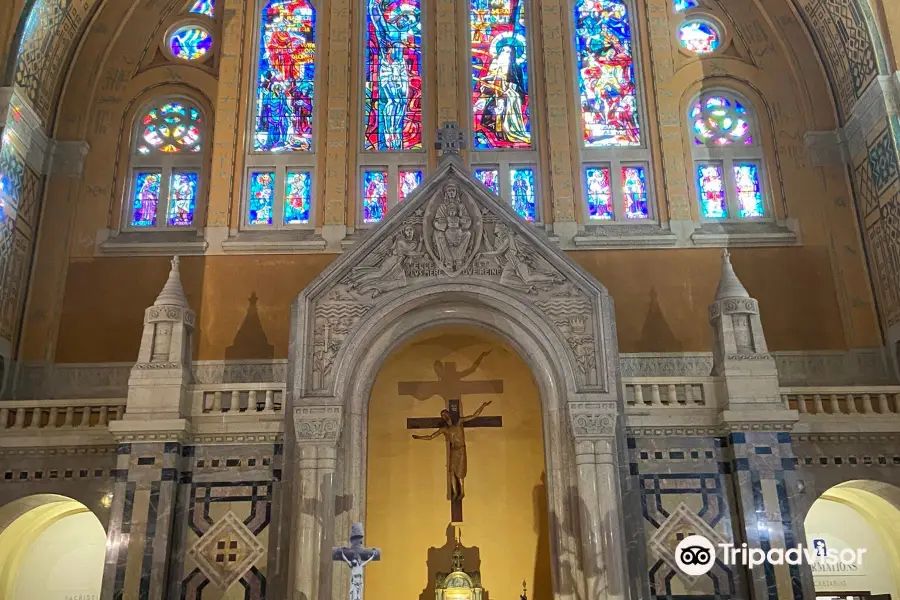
x=190, y=42
x=720, y=121
x=699, y=37
x=170, y=128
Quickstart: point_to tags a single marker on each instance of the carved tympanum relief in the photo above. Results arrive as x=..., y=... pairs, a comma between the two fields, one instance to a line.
x=459, y=236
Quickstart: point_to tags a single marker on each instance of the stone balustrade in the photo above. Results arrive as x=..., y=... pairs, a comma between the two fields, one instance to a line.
x=238, y=398
x=843, y=401
x=669, y=392
x=30, y=415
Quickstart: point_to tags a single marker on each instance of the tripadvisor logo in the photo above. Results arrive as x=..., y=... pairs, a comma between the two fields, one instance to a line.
x=695, y=555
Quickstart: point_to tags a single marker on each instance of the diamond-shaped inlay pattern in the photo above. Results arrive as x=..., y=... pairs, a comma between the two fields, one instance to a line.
x=681, y=523
x=227, y=551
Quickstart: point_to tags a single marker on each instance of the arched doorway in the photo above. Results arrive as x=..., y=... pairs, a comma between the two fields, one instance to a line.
x=856, y=515
x=505, y=532
x=51, y=548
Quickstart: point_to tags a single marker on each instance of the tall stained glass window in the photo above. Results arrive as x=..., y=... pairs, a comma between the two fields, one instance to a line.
x=297, y=197
x=711, y=182
x=204, y=7
x=182, y=198
x=262, y=198
x=501, y=102
x=729, y=159
x=393, y=75
x=522, y=191
x=599, y=194
x=375, y=188
x=145, y=199
x=409, y=181
x=166, y=163
x=285, y=77
x=606, y=79
x=634, y=191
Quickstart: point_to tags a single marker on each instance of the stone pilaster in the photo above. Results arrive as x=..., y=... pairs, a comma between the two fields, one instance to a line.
x=602, y=523
x=139, y=541
x=316, y=432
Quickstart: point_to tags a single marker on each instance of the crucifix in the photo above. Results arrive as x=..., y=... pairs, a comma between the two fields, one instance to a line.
x=452, y=423
x=356, y=556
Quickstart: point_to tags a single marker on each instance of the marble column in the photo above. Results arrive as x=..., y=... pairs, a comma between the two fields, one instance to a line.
x=140, y=545
x=316, y=432
x=599, y=494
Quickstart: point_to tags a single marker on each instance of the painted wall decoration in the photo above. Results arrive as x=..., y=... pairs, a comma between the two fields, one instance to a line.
x=606, y=79
x=501, y=102
x=285, y=77
x=393, y=75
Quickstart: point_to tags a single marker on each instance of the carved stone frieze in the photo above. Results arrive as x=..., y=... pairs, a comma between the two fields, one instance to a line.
x=454, y=235
x=317, y=424
x=591, y=420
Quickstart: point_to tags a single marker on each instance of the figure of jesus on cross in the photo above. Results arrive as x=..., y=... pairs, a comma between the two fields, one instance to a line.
x=452, y=424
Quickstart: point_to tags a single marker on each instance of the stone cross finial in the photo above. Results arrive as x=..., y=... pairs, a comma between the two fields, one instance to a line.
x=450, y=138
x=172, y=293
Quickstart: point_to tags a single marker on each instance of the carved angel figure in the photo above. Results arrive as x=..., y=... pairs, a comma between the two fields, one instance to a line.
x=514, y=260
x=388, y=274
x=452, y=225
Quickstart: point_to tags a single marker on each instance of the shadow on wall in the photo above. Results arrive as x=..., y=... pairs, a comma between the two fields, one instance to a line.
x=251, y=342
x=441, y=559
x=656, y=332
x=542, y=586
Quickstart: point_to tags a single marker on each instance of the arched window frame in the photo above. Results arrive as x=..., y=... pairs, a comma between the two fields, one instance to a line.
x=391, y=163
x=166, y=164
x=280, y=164
x=728, y=157
x=615, y=158
x=505, y=161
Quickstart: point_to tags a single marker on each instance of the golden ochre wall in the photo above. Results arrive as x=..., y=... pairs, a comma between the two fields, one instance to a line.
x=407, y=511
x=661, y=298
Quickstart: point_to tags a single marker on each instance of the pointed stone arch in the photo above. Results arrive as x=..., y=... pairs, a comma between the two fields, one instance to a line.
x=455, y=254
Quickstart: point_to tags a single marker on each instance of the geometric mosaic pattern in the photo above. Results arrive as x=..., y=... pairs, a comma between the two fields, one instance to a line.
x=682, y=522
x=227, y=551
x=842, y=37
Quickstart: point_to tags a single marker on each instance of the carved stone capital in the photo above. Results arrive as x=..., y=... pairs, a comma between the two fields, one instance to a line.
x=317, y=425
x=593, y=420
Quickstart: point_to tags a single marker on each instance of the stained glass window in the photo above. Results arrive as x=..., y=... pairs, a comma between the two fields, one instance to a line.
x=190, y=42
x=145, y=199
x=182, y=198
x=634, y=191
x=490, y=178
x=599, y=194
x=171, y=128
x=683, y=5
x=749, y=192
x=712, y=191
x=393, y=109
x=297, y=197
x=374, y=195
x=262, y=198
x=409, y=181
x=606, y=80
x=204, y=7
x=720, y=121
x=521, y=183
x=284, y=87
x=699, y=37
x=500, y=94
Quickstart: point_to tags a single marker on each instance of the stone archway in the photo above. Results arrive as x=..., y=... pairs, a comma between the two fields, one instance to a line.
x=864, y=514
x=50, y=544
x=497, y=274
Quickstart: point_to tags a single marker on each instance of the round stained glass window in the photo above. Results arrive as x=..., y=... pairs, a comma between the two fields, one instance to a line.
x=720, y=121
x=699, y=37
x=190, y=42
x=170, y=128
